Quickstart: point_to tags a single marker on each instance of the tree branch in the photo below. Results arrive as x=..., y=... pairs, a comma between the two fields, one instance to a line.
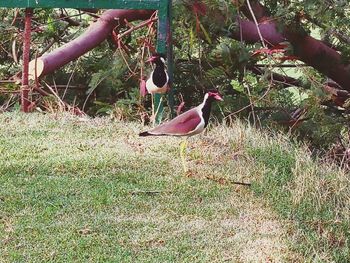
x=91, y=38
x=286, y=81
x=308, y=49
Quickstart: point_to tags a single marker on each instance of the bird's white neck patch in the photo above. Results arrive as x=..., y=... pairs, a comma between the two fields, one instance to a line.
x=200, y=106
x=206, y=96
x=162, y=59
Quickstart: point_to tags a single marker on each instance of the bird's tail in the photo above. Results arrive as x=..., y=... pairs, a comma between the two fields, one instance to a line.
x=143, y=134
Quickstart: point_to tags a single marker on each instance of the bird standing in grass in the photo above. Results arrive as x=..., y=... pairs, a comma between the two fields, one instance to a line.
x=189, y=123
x=158, y=79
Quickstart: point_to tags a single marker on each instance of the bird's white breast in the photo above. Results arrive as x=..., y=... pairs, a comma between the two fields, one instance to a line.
x=152, y=88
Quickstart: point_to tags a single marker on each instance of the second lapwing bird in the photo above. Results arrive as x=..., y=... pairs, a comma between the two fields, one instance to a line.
x=189, y=123
x=158, y=79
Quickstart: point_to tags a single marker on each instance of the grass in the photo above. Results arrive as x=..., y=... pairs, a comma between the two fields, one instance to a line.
x=315, y=197
x=92, y=191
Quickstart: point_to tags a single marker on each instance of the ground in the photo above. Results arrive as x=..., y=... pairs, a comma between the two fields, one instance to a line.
x=91, y=190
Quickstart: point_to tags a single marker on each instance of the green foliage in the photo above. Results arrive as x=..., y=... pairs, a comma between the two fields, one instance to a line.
x=110, y=78
x=206, y=57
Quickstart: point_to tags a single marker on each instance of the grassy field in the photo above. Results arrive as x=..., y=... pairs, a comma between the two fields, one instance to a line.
x=91, y=190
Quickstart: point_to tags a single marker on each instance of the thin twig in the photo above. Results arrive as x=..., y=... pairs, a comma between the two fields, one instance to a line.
x=70, y=79
x=256, y=24
x=226, y=181
x=133, y=28
x=148, y=192
x=125, y=61
x=15, y=17
x=52, y=42
x=283, y=65
x=250, y=104
x=55, y=94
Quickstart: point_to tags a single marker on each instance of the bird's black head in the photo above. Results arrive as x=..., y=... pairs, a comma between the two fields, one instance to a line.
x=209, y=97
x=157, y=58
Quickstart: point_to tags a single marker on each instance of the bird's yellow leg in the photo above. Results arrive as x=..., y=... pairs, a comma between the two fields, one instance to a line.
x=153, y=117
x=183, y=150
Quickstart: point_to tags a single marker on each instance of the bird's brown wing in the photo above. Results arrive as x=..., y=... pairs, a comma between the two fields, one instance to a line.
x=181, y=125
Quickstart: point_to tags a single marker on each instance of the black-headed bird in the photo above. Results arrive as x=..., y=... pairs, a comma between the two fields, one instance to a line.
x=189, y=123
x=159, y=78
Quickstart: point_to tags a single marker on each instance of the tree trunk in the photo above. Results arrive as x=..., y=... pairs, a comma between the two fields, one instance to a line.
x=91, y=38
x=313, y=52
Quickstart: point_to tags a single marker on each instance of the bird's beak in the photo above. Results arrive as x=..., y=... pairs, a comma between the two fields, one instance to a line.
x=218, y=97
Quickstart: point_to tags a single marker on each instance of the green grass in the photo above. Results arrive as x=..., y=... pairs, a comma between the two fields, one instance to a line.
x=315, y=197
x=92, y=191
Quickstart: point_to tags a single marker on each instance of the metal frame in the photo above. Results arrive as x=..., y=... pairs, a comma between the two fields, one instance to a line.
x=164, y=44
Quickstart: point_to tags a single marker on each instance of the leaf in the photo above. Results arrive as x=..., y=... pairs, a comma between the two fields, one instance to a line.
x=207, y=37
x=180, y=107
x=191, y=38
x=14, y=51
x=97, y=78
x=237, y=86
x=51, y=25
x=215, y=73
x=105, y=107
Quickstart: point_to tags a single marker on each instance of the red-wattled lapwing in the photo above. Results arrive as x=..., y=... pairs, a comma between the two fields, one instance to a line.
x=158, y=79
x=189, y=123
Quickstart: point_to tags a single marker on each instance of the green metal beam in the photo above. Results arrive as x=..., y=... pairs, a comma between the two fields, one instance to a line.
x=163, y=15
x=107, y=4
x=170, y=56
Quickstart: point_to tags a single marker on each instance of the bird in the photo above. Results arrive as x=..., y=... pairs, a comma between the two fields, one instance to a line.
x=189, y=123
x=159, y=78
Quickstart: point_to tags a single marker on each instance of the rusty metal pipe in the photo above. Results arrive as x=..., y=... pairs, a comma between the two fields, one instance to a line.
x=25, y=102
